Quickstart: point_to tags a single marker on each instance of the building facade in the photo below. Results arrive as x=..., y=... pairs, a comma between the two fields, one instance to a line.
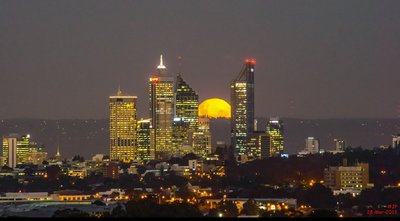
x=242, y=111
x=258, y=146
x=123, y=126
x=342, y=179
x=200, y=139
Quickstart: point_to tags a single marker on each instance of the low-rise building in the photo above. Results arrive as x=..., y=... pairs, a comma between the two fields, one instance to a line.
x=347, y=179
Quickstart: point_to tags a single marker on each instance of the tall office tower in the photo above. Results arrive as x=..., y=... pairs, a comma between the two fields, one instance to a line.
x=145, y=149
x=161, y=90
x=312, y=145
x=122, y=127
x=275, y=131
x=10, y=150
x=339, y=144
x=242, y=111
x=258, y=145
x=186, y=103
x=186, y=112
x=200, y=139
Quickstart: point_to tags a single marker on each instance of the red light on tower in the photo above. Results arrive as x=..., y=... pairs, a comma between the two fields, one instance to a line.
x=154, y=79
x=250, y=61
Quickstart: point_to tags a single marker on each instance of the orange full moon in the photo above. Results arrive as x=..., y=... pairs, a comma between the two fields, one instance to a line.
x=215, y=108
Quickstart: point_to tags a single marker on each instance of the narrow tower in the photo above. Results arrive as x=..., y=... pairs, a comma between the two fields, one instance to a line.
x=161, y=97
x=242, y=102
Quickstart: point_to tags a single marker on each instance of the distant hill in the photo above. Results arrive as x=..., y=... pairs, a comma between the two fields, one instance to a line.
x=87, y=137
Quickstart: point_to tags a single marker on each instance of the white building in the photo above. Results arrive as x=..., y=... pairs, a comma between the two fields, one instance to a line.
x=312, y=145
x=396, y=141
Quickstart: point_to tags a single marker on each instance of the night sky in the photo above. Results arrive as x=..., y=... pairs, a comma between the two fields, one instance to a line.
x=315, y=59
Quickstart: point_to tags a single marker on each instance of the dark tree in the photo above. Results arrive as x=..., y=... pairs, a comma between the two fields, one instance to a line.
x=118, y=211
x=78, y=158
x=323, y=213
x=98, y=203
x=70, y=213
x=319, y=196
x=141, y=169
x=250, y=208
x=228, y=208
x=53, y=172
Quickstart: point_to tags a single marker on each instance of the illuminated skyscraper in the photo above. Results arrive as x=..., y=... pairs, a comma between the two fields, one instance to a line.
x=123, y=127
x=186, y=112
x=186, y=103
x=145, y=148
x=242, y=102
x=161, y=89
x=275, y=131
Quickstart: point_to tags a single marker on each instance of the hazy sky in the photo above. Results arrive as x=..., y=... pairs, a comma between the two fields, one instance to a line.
x=315, y=59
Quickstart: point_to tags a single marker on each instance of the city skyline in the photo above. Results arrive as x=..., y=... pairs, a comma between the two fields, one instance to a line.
x=186, y=108
x=335, y=53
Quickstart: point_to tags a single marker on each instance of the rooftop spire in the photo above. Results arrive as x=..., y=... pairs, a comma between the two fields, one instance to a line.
x=161, y=66
x=58, y=151
x=119, y=92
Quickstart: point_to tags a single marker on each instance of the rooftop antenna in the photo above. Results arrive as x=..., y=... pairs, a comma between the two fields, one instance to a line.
x=180, y=64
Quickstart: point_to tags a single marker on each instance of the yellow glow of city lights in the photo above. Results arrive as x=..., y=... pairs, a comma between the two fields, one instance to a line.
x=215, y=108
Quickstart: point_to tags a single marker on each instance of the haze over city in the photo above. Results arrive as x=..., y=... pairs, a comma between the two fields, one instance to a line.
x=315, y=59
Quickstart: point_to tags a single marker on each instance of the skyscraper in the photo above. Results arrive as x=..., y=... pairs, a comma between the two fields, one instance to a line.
x=145, y=148
x=275, y=131
x=186, y=103
x=161, y=90
x=122, y=127
x=186, y=112
x=242, y=102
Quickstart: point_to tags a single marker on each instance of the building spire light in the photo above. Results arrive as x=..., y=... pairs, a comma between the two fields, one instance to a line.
x=119, y=92
x=58, y=150
x=161, y=66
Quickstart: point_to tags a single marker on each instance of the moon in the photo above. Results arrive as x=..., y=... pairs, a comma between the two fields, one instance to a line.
x=215, y=108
